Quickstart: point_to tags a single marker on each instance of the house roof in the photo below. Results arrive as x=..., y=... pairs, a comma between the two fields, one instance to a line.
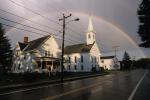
x=78, y=48
x=35, y=43
x=22, y=45
x=107, y=57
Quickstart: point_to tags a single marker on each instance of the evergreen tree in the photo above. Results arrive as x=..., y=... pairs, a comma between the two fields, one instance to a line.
x=126, y=61
x=5, y=51
x=126, y=56
x=144, y=19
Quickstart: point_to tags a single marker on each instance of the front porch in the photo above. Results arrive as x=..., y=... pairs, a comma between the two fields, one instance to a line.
x=48, y=64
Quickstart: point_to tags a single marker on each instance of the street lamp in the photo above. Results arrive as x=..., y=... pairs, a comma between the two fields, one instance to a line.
x=64, y=26
x=77, y=19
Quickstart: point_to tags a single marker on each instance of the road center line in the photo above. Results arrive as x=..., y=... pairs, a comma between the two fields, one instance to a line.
x=137, y=86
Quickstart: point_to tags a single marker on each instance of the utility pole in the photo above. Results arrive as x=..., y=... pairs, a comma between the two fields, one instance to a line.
x=63, y=38
x=115, y=49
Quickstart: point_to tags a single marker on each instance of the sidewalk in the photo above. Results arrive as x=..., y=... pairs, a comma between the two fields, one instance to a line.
x=35, y=84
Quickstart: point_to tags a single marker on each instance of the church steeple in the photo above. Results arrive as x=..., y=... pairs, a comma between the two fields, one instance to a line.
x=90, y=35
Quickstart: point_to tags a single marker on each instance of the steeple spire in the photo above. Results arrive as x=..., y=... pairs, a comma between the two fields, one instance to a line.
x=90, y=35
x=90, y=26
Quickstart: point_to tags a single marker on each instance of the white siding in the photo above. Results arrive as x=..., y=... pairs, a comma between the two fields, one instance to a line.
x=86, y=62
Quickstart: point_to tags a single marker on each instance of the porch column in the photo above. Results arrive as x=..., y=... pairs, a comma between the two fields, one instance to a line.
x=60, y=65
x=41, y=64
x=52, y=66
x=46, y=65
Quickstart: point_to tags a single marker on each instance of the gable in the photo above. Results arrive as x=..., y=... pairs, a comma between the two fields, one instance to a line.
x=50, y=44
x=95, y=50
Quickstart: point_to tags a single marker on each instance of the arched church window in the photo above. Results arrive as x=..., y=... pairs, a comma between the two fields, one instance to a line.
x=75, y=59
x=81, y=59
x=89, y=36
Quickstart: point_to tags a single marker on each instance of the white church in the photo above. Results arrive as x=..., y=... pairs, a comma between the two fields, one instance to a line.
x=85, y=56
x=44, y=55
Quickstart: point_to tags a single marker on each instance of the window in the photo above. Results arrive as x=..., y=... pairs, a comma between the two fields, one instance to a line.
x=48, y=53
x=17, y=52
x=75, y=59
x=69, y=59
x=75, y=67
x=69, y=67
x=82, y=59
x=82, y=67
x=51, y=55
x=102, y=61
x=95, y=59
x=93, y=36
x=45, y=53
x=89, y=36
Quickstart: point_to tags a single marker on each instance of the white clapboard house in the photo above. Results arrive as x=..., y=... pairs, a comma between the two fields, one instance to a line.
x=42, y=54
x=110, y=62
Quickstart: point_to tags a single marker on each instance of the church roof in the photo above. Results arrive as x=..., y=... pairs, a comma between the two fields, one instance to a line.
x=107, y=57
x=22, y=45
x=78, y=48
x=35, y=43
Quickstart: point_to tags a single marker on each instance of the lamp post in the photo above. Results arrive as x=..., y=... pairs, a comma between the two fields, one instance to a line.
x=62, y=55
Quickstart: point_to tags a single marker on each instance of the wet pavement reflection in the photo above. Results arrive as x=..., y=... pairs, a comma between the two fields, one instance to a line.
x=116, y=86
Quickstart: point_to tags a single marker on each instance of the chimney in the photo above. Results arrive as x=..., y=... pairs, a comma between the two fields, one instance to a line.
x=25, y=40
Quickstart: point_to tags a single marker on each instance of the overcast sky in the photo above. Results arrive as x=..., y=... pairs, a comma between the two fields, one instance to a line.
x=115, y=21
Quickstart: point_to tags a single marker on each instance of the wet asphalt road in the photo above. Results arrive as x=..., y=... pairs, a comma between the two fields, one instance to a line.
x=116, y=86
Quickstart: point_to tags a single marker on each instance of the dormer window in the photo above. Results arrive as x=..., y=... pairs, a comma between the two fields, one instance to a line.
x=45, y=53
x=48, y=54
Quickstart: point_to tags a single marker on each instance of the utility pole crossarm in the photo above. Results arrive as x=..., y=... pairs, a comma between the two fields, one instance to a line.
x=65, y=17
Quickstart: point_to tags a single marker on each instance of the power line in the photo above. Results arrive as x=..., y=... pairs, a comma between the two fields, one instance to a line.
x=42, y=8
x=34, y=12
x=25, y=25
x=69, y=40
x=29, y=20
x=22, y=29
x=41, y=15
x=37, y=13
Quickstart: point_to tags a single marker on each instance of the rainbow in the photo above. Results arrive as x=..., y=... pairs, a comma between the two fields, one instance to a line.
x=97, y=18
